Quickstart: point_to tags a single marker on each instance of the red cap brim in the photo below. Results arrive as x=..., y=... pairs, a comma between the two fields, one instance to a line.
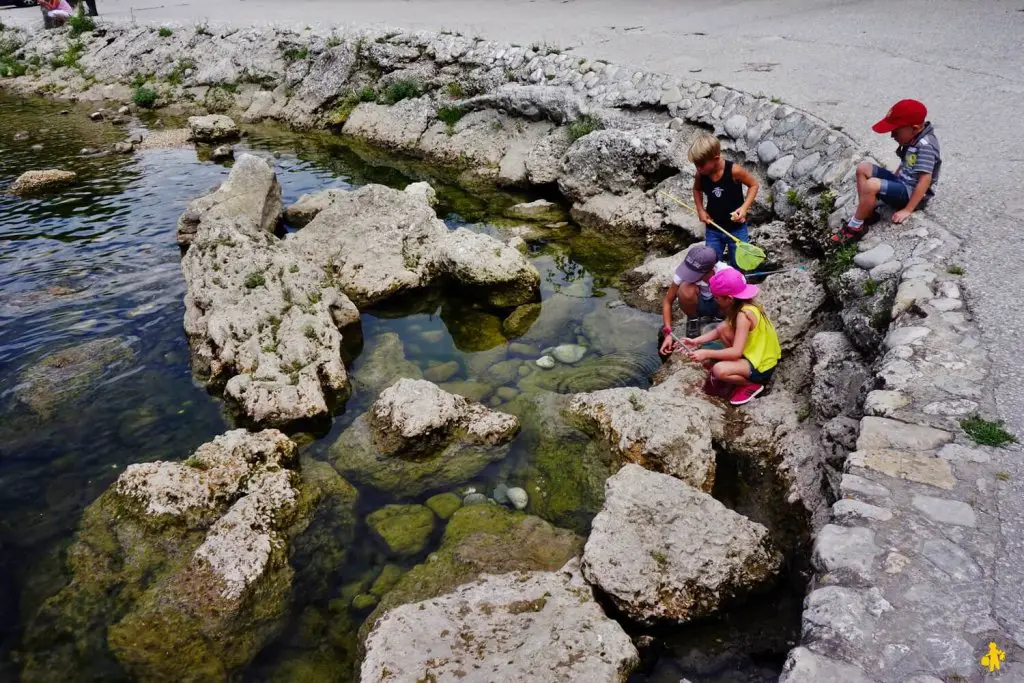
x=884, y=126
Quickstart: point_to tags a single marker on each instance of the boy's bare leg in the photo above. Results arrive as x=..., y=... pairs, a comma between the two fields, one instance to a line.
x=688, y=299
x=868, y=188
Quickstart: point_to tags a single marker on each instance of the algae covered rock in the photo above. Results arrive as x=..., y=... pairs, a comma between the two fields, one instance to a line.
x=31, y=182
x=481, y=539
x=519, y=321
x=473, y=330
x=417, y=437
x=665, y=552
x=70, y=373
x=180, y=566
x=404, y=529
x=383, y=363
x=551, y=629
x=444, y=505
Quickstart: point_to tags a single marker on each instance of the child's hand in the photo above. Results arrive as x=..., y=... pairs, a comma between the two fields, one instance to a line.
x=667, y=345
x=703, y=216
x=689, y=343
x=699, y=355
x=901, y=216
x=739, y=215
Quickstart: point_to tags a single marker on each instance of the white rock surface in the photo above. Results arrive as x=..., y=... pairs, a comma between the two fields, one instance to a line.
x=518, y=497
x=666, y=552
x=495, y=270
x=874, y=257
x=212, y=128
x=538, y=626
x=568, y=353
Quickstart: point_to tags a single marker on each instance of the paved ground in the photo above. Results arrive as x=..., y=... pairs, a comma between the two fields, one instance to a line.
x=846, y=60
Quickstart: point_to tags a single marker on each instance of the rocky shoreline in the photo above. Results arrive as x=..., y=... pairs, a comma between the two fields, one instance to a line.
x=877, y=345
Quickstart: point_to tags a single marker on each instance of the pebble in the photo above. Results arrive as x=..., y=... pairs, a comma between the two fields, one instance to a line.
x=501, y=494
x=474, y=499
x=568, y=353
x=546, y=362
x=223, y=153
x=885, y=271
x=96, y=116
x=518, y=497
x=874, y=257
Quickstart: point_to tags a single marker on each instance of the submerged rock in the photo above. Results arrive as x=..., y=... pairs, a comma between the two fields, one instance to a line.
x=417, y=437
x=70, y=373
x=519, y=321
x=404, y=529
x=383, y=363
x=545, y=362
x=540, y=210
x=668, y=428
x=568, y=353
x=31, y=182
x=444, y=505
x=481, y=539
x=212, y=128
x=552, y=628
x=665, y=552
x=179, y=566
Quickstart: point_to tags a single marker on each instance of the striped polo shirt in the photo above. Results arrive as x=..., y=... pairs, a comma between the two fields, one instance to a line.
x=920, y=156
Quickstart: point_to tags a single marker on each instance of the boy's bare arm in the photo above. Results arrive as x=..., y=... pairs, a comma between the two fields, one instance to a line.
x=698, y=201
x=747, y=178
x=924, y=181
x=666, y=306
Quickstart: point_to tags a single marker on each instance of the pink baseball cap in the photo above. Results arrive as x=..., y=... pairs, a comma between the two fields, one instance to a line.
x=730, y=282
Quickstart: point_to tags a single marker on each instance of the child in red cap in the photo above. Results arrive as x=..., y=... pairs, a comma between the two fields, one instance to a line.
x=914, y=182
x=751, y=344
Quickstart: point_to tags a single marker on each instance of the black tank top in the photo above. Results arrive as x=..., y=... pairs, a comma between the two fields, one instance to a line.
x=723, y=197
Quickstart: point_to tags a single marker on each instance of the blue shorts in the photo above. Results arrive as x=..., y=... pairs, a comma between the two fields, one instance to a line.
x=758, y=377
x=723, y=245
x=894, y=191
x=707, y=308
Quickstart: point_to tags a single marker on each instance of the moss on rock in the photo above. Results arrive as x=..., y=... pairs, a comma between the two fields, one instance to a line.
x=472, y=330
x=404, y=529
x=386, y=580
x=481, y=539
x=444, y=505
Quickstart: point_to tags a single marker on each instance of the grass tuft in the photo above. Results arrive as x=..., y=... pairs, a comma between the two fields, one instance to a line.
x=584, y=125
x=450, y=115
x=986, y=432
x=165, y=32
x=144, y=97
x=840, y=260
x=81, y=23
x=870, y=287
x=254, y=280
x=955, y=270
x=401, y=90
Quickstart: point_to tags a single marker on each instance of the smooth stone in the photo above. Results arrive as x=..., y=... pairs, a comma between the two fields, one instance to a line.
x=947, y=305
x=440, y=374
x=874, y=257
x=520, y=349
x=882, y=433
x=806, y=165
x=886, y=270
x=518, y=497
x=847, y=507
x=905, y=336
x=780, y=167
x=506, y=393
x=952, y=408
x=546, y=362
x=501, y=494
x=946, y=511
x=909, y=293
x=568, y=353
x=433, y=336
x=474, y=499
x=853, y=483
x=951, y=559
x=924, y=469
x=840, y=547
x=767, y=152
x=735, y=125
x=949, y=289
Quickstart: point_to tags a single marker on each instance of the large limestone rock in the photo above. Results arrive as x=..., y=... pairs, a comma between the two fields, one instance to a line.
x=184, y=566
x=374, y=242
x=648, y=281
x=536, y=102
x=481, y=539
x=212, y=128
x=31, y=182
x=665, y=552
x=839, y=377
x=551, y=629
x=417, y=437
x=668, y=428
x=491, y=268
x=251, y=190
x=309, y=206
x=792, y=298
x=382, y=364
x=263, y=323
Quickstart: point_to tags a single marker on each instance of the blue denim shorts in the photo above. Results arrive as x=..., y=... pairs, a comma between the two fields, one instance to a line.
x=723, y=245
x=708, y=308
x=758, y=377
x=894, y=192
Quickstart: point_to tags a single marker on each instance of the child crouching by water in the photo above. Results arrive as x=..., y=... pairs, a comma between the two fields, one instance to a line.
x=751, y=344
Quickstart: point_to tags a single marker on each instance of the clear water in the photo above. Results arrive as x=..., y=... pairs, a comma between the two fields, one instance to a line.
x=99, y=260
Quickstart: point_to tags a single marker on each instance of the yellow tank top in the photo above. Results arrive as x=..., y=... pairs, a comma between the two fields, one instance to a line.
x=762, y=348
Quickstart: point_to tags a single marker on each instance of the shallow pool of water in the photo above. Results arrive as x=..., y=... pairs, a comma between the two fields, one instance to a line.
x=98, y=261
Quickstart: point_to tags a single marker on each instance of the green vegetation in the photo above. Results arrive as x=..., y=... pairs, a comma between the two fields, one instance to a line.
x=11, y=67
x=840, y=260
x=827, y=202
x=955, y=270
x=177, y=74
x=870, y=287
x=454, y=89
x=659, y=557
x=165, y=32
x=333, y=41
x=203, y=30
x=294, y=54
x=81, y=23
x=881, y=319
x=70, y=56
x=310, y=333
x=985, y=432
x=776, y=100
x=193, y=461
x=400, y=90
x=450, y=115
x=254, y=280
x=794, y=198
x=144, y=97
x=1003, y=476
x=584, y=125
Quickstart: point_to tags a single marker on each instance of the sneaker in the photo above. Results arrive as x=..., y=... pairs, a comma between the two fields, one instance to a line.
x=745, y=394
x=847, y=234
x=693, y=327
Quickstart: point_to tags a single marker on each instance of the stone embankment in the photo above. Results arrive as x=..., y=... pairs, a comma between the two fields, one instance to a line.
x=865, y=419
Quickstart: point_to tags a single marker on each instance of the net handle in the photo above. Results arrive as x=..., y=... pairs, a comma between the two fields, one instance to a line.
x=694, y=212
